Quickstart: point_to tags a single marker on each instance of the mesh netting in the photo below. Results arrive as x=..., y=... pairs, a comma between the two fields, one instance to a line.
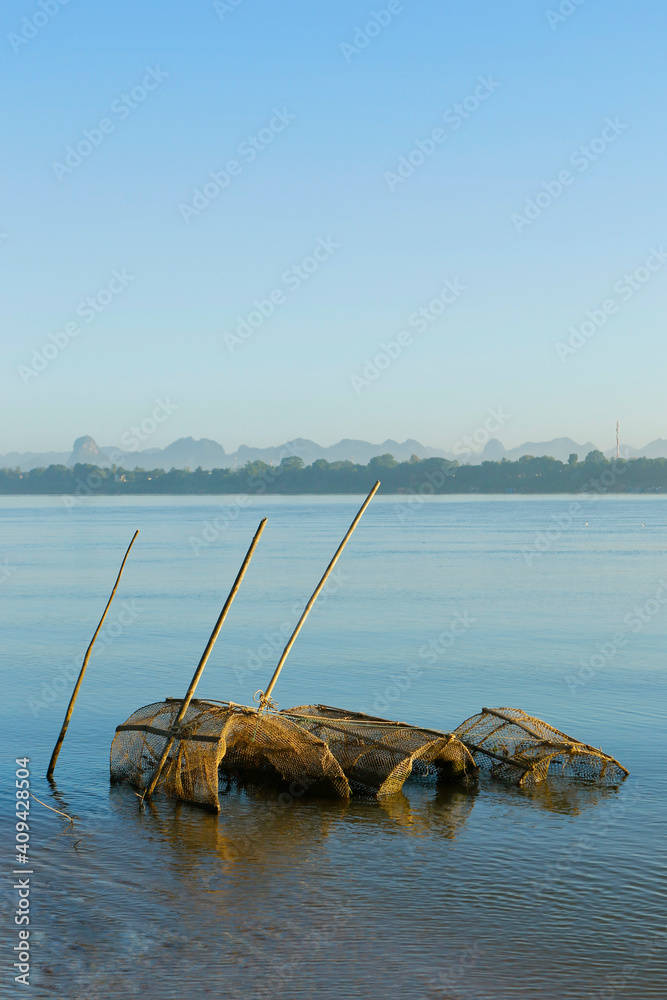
x=225, y=737
x=520, y=748
x=377, y=755
x=337, y=752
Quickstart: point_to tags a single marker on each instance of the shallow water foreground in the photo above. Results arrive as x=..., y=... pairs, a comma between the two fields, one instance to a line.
x=437, y=893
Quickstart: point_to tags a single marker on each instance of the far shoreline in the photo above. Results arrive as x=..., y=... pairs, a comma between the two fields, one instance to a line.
x=252, y=498
x=415, y=479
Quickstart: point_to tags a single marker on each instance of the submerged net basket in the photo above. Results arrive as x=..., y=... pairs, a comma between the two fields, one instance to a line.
x=517, y=747
x=332, y=751
x=377, y=755
x=226, y=737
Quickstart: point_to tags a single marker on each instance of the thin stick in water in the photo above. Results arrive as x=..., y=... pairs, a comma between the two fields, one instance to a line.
x=71, y=821
x=202, y=663
x=70, y=707
x=264, y=700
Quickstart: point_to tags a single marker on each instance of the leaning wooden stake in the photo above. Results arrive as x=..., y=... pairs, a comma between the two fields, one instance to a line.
x=202, y=663
x=70, y=707
x=265, y=695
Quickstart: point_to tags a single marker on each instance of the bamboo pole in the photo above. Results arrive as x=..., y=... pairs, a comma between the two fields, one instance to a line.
x=265, y=695
x=70, y=707
x=202, y=663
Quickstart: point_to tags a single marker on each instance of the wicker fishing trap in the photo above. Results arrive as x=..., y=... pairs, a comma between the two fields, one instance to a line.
x=517, y=747
x=331, y=751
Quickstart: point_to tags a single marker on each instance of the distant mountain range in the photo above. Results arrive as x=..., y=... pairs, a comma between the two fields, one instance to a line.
x=560, y=448
x=188, y=453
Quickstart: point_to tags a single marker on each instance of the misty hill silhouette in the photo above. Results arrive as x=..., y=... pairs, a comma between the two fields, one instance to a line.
x=190, y=453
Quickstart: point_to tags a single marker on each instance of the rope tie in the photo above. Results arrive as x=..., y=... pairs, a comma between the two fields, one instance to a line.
x=264, y=702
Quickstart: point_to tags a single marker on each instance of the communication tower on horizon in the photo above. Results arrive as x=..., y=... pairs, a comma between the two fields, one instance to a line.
x=618, y=447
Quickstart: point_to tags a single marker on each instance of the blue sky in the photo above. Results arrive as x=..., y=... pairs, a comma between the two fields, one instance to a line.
x=331, y=125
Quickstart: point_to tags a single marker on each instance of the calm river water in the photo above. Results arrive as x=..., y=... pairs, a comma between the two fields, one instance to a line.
x=436, y=894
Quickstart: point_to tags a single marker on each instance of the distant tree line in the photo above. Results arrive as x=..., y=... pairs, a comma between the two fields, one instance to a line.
x=595, y=474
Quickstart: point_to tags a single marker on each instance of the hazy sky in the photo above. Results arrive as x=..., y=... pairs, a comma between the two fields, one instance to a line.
x=322, y=139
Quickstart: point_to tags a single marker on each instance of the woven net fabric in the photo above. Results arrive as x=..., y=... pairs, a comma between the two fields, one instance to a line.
x=333, y=751
x=377, y=755
x=520, y=748
x=191, y=770
x=220, y=737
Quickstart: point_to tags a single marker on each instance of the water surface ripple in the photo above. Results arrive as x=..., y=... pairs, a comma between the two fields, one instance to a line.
x=438, y=893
